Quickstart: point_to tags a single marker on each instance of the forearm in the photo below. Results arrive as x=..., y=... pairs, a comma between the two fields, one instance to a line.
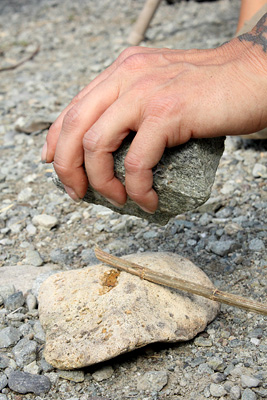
x=248, y=9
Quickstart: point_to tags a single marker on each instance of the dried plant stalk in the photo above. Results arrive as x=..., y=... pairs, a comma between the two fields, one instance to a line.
x=181, y=284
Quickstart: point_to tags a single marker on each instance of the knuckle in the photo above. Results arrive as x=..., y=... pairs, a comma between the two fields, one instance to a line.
x=129, y=51
x=132, y=163
x=135, y=61
x=72, y=118
x=90, y=141
x=60, y=168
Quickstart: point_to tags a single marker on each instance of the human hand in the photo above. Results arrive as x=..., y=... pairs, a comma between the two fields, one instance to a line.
x=167, y=97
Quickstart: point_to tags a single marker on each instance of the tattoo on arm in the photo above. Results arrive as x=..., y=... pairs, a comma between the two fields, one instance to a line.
x=258, y=35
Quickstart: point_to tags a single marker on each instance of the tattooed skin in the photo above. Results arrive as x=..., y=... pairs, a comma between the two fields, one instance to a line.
x=258, y=35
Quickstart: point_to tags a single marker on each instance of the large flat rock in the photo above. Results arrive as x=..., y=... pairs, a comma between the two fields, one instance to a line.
x=182, y=179
x=96, y=313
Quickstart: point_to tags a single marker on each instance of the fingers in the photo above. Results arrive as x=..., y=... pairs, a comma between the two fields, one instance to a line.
x=69, y=154
x=99, y=143
x=145, y=152
x=105, y=137
x=55, y=129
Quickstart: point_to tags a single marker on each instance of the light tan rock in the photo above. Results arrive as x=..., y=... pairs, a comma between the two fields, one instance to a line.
x=96, y=313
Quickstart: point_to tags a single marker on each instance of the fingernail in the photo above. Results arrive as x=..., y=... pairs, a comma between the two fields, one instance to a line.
x=114, y=203
x=147, y=210
x=44, y=152
x=73, y=195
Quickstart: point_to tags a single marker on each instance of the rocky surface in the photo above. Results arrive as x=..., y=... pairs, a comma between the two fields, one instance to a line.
x=75, y=46
x=94, y=314
x=182, y=179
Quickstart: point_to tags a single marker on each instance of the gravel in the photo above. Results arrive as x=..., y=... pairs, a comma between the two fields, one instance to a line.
x=226, y=237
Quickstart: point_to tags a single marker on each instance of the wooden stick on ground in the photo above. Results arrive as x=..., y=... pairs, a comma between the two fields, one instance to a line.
x=30, y=57
x=181, y=284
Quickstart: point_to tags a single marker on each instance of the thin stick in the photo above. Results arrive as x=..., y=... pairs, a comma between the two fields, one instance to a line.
x=181, y=284
x=30, y=57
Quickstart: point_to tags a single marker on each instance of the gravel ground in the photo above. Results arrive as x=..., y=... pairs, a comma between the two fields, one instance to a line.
x=226, y=237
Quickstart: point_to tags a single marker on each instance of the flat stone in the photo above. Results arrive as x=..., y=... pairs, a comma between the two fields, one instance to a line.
x=45, y=220
x=103, y=373
x=235, y=393
x=248, y=394
x=153, y=381
x=33, y=258
x=217, y=390
x=23, y=382
x=75, y=376
x=96, y=313
x=14, y=301
x=3, y=380
x=33, y=124
x=182, y=179
x=5, y=289
x=9, y=336
x=25, y=352
x=22, y=276
x=249, y=381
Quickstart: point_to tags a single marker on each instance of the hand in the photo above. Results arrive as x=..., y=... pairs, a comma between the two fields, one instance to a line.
x=167, y=97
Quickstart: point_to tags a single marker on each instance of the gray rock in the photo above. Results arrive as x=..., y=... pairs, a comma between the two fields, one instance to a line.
x=235, y=393
x=33, y=124
x=103, y=373
x=39, y=334
x=216, y=364
x=57, y=256
x=31, y=301
x=3, y=380
x=14, y=301
x=248, y=394
x=256, y=245
x=203, y=342
x=25, y=352
x=96, y=313
x=222, y=248
x=32, y=368
x=25, y=195
x=182, y=179
x=218, y=377
x=6, y=290
x=249, y=381
x=33, y=258
x=153, y=381
x=4, y=361
x=3, y=397
x=9, y=336
x=24, y=276
x=217, y=390
x=259, y=171
x=23, y=382
x=74, y=376
x=45, y=366
x=45, y=221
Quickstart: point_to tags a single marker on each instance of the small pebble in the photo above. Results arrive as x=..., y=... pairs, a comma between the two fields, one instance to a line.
x=9, y=336
x=45, y=221
x=249, y=381
x=153, y=380
x=217, y=390
x=25, y=352
x=103, y=373
x=23, y=382
x=248, y=394
x=14, y=301
x=75, y=376
x=3, y=381
x=235, y=393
